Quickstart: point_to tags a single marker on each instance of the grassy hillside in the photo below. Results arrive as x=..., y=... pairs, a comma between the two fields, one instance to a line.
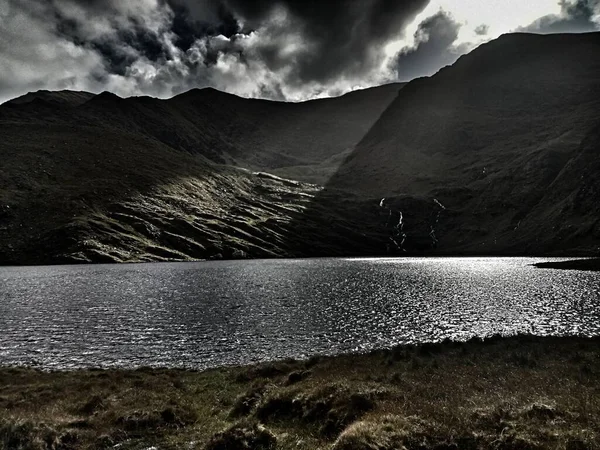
x=513, y=393
x=143, y=179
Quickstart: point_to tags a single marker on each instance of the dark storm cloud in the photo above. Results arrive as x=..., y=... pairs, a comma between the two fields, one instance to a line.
x=195, y=20
x=434, y=47
x=575, y=17
x=278, y=49
x=120, y=48
x=336, y=38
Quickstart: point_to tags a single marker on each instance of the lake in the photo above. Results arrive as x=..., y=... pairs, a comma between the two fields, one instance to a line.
x=208, y=314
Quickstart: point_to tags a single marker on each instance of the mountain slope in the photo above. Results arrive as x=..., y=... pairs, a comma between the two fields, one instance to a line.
x=307, y=140
x=138, y=179
x=495, y=138
x=108, y=196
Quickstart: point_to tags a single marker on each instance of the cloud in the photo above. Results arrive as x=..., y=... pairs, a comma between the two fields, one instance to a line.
x=435, y=46
x=575, y=17
x=292, y=49
x=482, y=30
x=34, y=57
x=335, y=38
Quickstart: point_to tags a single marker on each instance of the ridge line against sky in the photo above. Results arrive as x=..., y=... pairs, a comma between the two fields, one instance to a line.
x=280, y=50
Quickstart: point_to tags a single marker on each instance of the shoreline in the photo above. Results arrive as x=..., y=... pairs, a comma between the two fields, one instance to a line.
x=589, y=265
x=513, y=392
x=550, y=265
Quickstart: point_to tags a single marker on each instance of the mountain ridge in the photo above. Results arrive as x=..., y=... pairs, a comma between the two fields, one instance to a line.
x=229, y=129
x=29, y=96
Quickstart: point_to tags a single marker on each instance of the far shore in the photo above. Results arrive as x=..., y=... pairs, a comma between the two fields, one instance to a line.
x=592, y=264
x=586, y=263
x=519, y=392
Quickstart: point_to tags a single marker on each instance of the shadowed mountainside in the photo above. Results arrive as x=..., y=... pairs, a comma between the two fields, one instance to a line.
x=497, y=154
x=307, y=140
x=507, y=140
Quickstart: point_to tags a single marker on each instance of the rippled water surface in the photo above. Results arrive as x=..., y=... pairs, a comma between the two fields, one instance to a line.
x=208, y=314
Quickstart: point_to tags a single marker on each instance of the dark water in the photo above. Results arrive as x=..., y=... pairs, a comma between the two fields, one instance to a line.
x=208, y=314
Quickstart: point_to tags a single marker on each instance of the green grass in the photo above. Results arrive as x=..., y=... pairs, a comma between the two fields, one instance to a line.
x=504, y=393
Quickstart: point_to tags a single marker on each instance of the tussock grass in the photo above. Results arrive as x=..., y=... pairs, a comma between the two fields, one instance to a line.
x=502, y=393
x=243, y=436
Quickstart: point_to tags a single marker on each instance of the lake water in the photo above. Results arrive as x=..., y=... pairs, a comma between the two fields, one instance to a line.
x=215, y=313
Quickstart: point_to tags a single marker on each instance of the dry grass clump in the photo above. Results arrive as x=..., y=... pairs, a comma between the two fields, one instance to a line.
x=386, y=433
x=143, y=421
x=330, y=407
x=243, y=437
x=35, y=436
x=412, y=433
x=246, y=402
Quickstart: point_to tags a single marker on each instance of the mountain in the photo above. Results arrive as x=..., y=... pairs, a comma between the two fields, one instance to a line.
x=496, y=154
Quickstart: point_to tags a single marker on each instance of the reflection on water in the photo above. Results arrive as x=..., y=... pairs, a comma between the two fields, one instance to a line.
x=209, y=314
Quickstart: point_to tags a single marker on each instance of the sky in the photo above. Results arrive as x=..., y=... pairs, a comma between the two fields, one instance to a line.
x=291, y=50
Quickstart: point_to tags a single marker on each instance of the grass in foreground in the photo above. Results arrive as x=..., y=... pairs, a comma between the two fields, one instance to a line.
x=504, y=393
